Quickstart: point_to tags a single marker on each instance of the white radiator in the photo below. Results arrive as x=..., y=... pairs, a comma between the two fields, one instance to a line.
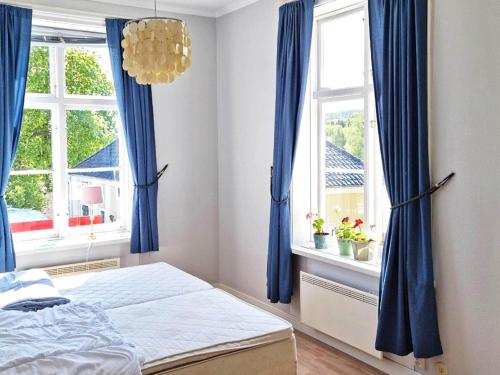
x=350, y=315
x=77, y=268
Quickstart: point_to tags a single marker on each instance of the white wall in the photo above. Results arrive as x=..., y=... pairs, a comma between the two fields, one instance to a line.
x=246, y=58
x=465, y=138
x=186, y=138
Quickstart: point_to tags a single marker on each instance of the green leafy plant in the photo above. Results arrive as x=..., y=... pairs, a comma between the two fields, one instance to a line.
x=351, y=231
x=359, y=235
x=345, y=230
x=317, y=223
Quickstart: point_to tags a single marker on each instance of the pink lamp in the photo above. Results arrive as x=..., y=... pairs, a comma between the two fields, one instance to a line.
x=91, y=195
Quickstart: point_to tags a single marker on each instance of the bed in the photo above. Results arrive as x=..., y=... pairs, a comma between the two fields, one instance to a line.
x=182, y=325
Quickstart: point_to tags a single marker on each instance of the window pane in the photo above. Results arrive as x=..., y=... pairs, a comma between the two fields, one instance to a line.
x=35, y=143
x=93, y=143
x=88, y=71
x=104, y=213
x=343, y=51
x=92, y=139
x=38, y=71
x=343, y=123
x=29, y=202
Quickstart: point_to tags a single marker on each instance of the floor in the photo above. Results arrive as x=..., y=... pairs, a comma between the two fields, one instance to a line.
x=316, y=358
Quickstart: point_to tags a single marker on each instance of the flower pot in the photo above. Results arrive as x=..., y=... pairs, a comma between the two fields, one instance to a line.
x=320, y=240
x=363, y=251
x=344, y=247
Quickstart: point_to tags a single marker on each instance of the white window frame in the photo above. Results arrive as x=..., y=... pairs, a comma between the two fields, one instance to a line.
x=312, y=139
x=58, y=102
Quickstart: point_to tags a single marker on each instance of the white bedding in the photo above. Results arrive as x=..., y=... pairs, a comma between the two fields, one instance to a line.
x=196, y=326
x=64, y=340
x=128, y=286
x=30, y=290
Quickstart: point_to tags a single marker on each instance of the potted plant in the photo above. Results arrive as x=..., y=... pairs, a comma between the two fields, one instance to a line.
x=362, y=246
x=320, y=236
x=344, y=233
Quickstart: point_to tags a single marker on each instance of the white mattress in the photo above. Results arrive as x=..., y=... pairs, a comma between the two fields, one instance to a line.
x=187, y=328
x=129, y=286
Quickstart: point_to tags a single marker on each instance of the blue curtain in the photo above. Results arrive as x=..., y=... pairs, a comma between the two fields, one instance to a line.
x=294, y=44
x=407, y=316
x=136, y=113
x=15, y=39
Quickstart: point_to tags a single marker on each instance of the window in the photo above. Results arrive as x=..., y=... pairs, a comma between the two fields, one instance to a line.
x=70, y=138
x=345, y=164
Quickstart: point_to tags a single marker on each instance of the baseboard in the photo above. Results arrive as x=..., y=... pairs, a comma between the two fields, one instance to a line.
x=385, y=365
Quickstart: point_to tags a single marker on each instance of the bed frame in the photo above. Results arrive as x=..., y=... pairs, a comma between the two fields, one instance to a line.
x=278, y=358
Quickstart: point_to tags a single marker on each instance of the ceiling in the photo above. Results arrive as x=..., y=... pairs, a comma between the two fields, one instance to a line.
x=208, y=8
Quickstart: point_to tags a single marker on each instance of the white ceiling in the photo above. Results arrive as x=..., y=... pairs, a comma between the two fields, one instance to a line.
x=209, y=8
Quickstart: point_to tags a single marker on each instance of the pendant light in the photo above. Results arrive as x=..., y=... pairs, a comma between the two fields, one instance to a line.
x=156, y=49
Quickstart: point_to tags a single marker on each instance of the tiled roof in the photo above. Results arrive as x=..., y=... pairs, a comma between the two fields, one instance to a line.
x=107, y=156
x=338, y=159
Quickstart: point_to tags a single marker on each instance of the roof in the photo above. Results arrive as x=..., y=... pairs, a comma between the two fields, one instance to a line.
x=342, y=168
x=107, y=156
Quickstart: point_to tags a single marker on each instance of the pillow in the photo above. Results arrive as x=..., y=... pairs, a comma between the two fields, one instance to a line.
x=30, y=290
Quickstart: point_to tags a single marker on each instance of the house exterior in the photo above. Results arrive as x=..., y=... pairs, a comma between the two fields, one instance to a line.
x=344, y=180
x=109, y=181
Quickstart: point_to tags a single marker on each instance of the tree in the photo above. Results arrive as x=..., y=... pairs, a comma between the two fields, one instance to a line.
x=87, y=131
x=354, y=134
x=346, y=130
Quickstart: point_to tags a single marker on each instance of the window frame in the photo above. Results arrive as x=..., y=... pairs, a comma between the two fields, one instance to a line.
x=59, y=102
x=312, y=139
x=324, y=95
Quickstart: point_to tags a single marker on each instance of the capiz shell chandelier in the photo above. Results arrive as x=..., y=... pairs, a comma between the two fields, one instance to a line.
x=156, y=49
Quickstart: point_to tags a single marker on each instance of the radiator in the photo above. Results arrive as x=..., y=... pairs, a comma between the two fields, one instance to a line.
x=77, y=268
x=347, y=314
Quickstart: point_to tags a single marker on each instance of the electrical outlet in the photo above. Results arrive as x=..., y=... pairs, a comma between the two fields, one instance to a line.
x=441, y=369
x=420, y=364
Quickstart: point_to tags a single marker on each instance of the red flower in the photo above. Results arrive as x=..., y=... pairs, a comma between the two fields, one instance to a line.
x=345, y=220
x=357, y=223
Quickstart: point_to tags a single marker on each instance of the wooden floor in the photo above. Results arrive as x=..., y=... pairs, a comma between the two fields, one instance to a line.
x=316, y=358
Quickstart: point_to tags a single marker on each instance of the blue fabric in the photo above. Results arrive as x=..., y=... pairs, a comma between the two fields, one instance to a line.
x=30, y=290
x=294, y=45
x=407, y=316
x=136, y=112
x=36, y=304
x=15, y=39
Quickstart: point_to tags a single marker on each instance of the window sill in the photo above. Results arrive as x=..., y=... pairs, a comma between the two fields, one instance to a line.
x=80, y=241
x=330, y=256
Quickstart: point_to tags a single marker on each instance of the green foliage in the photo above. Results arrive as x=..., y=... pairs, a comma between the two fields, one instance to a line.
x=317, y=223
x=84, y=75
x=360, y=237
x=88, y=131
x=349, y=231
x=28, y=191
x=38, y=71
x=346, y=130
x=345, y=230
x=34, y=150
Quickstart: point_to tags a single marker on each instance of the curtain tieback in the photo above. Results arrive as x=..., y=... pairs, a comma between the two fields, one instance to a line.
x=430, y=191
x=155, y=181
x=277, y=201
